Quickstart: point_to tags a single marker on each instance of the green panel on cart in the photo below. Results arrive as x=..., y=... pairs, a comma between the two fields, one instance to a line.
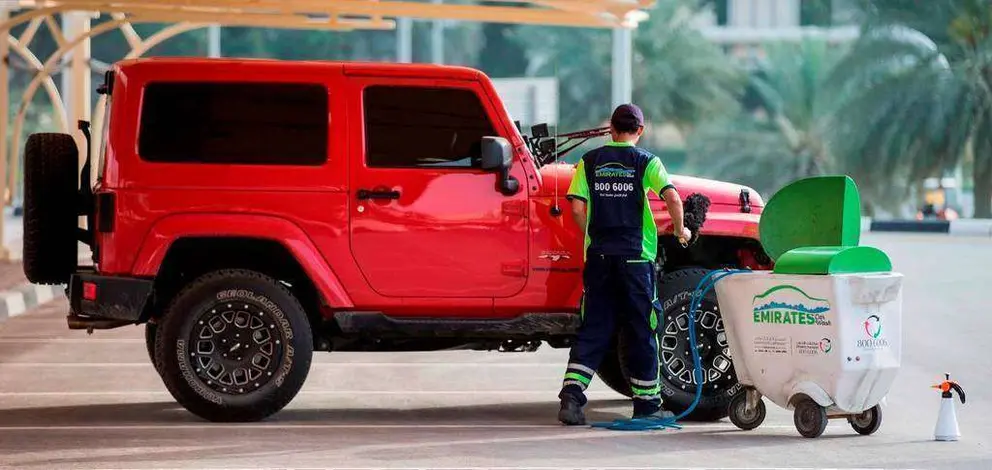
x=833, y=260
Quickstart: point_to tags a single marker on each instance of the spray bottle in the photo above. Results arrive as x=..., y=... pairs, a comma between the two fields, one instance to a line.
x=947, y=418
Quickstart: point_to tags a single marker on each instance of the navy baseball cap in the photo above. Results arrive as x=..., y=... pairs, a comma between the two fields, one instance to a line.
x=627, y=118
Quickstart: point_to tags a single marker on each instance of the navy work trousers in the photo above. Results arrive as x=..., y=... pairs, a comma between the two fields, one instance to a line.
x=619, y=295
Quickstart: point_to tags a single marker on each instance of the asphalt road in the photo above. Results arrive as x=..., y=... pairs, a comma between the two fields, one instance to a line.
x=72, y=400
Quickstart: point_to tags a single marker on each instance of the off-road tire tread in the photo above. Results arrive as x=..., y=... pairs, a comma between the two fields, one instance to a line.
x=611, y=373
x=51, y=183
x=151, y=331
x=173, y=380
x=611, y=369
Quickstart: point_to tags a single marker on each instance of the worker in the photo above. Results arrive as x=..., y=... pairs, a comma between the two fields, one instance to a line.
x=609, y=201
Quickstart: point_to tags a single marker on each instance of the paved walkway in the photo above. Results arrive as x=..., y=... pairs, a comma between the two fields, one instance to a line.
x=72, y=400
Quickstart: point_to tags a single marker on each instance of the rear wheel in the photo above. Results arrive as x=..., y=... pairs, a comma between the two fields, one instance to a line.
x=151, y=330
x=678, y=388
x=234, y=345
x=50, y=215
x=867, y=422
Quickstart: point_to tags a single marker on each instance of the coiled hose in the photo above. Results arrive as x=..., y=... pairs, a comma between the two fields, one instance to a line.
x=647, y=424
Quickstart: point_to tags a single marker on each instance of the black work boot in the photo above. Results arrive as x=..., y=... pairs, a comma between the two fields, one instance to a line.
x=571, y=412
x=660, y=414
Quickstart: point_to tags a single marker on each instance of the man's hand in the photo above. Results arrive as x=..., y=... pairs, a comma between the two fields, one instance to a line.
x=674, y=204
x=684, y=237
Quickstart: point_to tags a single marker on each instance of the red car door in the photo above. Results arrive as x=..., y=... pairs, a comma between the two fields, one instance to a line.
x=425, y=220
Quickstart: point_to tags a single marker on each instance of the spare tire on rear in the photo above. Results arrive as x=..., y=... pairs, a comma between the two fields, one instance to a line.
x=51, y=179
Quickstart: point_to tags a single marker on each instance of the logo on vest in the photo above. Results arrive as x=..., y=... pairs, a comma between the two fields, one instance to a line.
x=615, y=170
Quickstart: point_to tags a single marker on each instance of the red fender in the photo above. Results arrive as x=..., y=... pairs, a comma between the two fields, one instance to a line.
x=169, y=229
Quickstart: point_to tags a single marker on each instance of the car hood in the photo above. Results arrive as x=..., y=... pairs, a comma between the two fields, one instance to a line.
x=719, y=192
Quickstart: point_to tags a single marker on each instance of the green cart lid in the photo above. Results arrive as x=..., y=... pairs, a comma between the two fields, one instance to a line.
x=821, y=260
x=823, y=211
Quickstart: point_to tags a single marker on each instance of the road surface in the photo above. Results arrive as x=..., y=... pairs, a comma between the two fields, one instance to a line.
x=72, y=400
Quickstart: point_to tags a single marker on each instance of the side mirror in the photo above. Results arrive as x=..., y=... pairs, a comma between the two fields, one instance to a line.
x=497, y=156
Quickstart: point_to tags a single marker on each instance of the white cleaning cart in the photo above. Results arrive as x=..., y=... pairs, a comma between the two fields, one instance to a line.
x=827, y=346
x=821, y=334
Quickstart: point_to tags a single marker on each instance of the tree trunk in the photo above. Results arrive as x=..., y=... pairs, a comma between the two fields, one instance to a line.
x=983, y=186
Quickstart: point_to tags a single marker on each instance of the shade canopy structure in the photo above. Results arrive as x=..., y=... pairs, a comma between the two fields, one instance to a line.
x=70, y=23
x=356, y=14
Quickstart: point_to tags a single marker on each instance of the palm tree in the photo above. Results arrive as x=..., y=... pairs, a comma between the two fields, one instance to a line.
x=918, y=93
x=782, y=138
x=680, y=78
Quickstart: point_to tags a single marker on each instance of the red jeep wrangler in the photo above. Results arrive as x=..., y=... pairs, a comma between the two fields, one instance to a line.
x=250, y=212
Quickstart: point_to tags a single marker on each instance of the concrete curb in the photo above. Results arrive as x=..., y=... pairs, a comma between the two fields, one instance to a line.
x=962, y=228
x=22, y=298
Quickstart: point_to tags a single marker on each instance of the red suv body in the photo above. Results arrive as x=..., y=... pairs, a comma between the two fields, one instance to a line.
x=378, y=207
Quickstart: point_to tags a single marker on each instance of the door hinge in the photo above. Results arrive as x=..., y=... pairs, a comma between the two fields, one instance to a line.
x=516, y=269
x=515, y=208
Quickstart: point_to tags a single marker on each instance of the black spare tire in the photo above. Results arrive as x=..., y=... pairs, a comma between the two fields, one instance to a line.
x=677, y=386
x=51, y=179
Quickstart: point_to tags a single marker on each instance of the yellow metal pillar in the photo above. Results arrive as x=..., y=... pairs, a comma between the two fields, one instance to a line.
x=623, y=66
x=4, y=111
x=76, y=80
x=76, y=77
x=437, y=39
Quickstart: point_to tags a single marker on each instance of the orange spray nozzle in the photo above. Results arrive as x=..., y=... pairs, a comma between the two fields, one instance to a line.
x=947, y=386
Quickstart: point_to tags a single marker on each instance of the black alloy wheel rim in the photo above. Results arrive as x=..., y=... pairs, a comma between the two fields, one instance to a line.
x=236, y=348
x=711, y=341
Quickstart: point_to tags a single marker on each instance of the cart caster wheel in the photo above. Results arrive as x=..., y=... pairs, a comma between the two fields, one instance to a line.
x=810, y=418
x=740, y=416
x=868, y=421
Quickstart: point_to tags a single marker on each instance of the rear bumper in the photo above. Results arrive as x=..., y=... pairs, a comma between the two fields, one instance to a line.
x=116, y=298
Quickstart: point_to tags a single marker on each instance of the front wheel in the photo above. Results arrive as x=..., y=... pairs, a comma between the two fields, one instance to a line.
x=678, y=389
x=234, y=345
x=742, y=417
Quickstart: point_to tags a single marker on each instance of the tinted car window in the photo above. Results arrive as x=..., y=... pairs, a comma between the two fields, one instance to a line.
x=244, y=123
x=424, y=127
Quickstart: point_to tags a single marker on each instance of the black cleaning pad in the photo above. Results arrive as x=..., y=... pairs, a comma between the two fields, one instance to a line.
x=694, y=213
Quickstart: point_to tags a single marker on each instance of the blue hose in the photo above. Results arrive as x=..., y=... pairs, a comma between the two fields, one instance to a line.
x=647, y=424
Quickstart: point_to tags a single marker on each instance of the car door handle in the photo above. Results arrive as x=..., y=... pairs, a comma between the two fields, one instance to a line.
x=366, y=194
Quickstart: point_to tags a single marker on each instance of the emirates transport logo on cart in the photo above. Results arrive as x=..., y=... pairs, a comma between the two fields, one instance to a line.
x=873, y=331
x=789, y=305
